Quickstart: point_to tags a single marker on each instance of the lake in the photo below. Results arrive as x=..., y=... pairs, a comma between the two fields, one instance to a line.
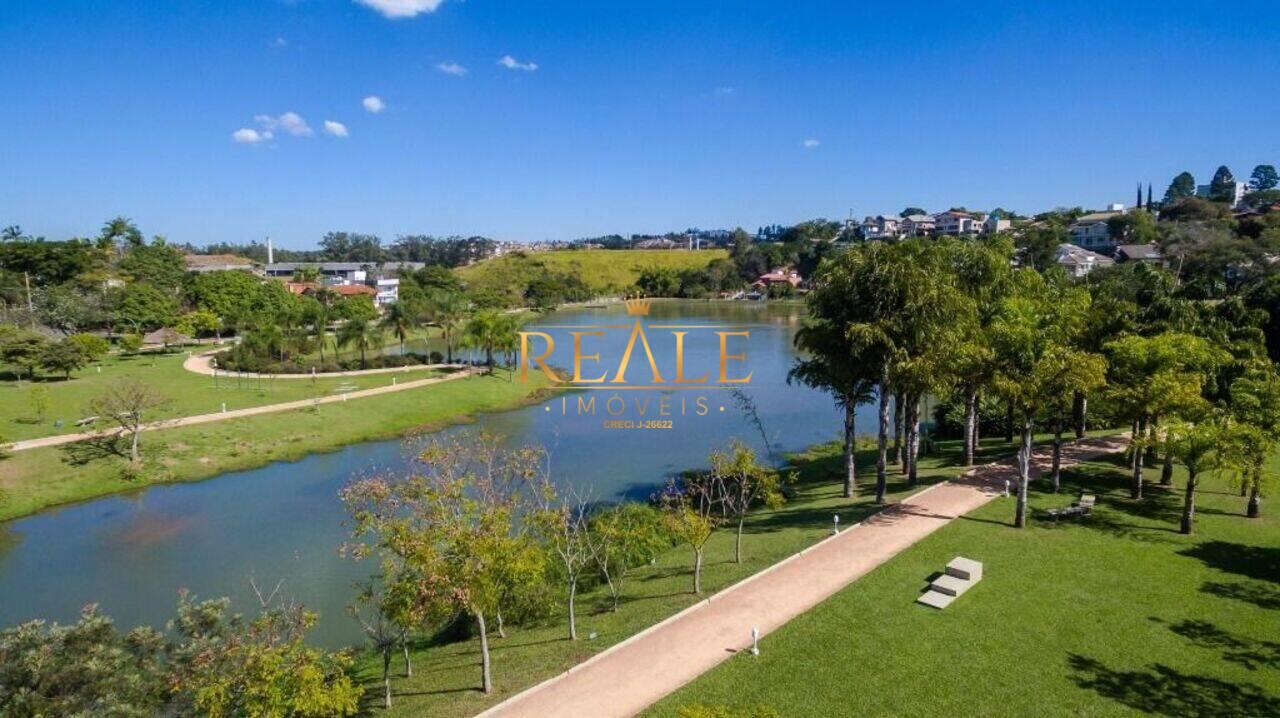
x=283, y=522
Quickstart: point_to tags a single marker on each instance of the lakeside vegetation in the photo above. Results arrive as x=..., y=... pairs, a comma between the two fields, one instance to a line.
x=39, y=478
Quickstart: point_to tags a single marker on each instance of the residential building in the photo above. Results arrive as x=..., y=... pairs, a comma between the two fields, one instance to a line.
x=779, y=276
x=993, y=224
x=1092, y=232
x=1148, y=253
x=1238, y=192
x=881, y=227
x=917, y=225
x=1078, y=261
x=956, y=224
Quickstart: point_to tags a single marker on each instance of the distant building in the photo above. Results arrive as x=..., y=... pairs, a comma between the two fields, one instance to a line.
x=779, y=276
x=994, y=224
x=381, y=281
x=881, y=227
x=1079, y=262
x=201, y=263
x=918, y=225
x=956, y=224
x=1238, y=192
x=1092, y=232
x=1148, y=253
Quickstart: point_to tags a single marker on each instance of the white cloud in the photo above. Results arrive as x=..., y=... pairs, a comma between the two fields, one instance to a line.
x=726, y=91
x=811, y=143
x=290, y=122
x=452, y=68
x=279, y=42
x=337, y=129
x=247, y=136
x=373, y=104
x=511, y=63
x=396, y=9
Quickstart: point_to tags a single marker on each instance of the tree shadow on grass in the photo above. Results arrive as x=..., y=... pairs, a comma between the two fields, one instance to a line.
x=1162, y=690
x=1251, y=653
x=95, y=448
x=1262, y=596
x=1259, y=562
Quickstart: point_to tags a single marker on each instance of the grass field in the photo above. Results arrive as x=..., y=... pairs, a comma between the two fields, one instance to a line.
x=446, y=674
x=38, y=478
x=603, y=270
x=188, y=393
x=1110, y=616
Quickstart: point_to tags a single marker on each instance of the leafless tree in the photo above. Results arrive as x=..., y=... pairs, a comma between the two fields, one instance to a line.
x=128, y=402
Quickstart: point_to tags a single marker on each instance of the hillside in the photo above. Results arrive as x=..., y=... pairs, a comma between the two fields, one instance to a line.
x=602, y=270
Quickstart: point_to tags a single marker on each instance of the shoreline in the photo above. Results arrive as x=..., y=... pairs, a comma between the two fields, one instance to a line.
x=100, y=478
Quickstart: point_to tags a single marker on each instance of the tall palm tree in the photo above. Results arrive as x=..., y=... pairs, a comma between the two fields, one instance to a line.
x=447, y=310
x=361, y=334
x=320, y=326
x=398, y=319
x=828, y=364
x=493, y=332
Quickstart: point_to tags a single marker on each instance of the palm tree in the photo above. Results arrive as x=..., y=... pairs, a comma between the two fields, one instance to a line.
x=447, y=310
x=320, y=326
x=1195, y=446
x=493, y=332
x=361, y=334
x=398, y=319
x=829, y=365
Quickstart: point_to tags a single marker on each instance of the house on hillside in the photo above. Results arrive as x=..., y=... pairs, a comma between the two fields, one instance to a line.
x=1079, y=262
x=918, y=225
x=1238, y=191
x=956, y=224
x=1148, y=253
x=880, y=227
x=1092, y=232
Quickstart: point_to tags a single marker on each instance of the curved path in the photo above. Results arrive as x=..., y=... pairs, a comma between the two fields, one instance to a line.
x=238, y=413
x=624, y=679
x=203, y=364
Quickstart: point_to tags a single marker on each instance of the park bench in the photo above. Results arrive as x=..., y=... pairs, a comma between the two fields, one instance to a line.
x=959, y=576
x=1081, y=507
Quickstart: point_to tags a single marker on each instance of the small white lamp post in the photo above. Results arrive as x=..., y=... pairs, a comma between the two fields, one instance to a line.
x=755, y=641
x=835, y=529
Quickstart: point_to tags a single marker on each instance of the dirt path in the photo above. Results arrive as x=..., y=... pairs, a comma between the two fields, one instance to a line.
x=626, y=678
x=239, y=413
x=203, y=364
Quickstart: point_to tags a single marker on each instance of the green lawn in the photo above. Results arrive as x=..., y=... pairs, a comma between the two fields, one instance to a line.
x=38, y=478
x=603, y=270
x=446, y=674
x=1115, y=615
x=188, y=393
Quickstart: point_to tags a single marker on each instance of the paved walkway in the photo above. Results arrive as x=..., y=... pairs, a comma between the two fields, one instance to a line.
x=239, y=413
x=203, y=364
x=626, y=678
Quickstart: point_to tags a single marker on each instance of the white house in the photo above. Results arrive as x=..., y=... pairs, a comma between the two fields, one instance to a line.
x=956, y=224
x=1091, y=232
x=1239, y=191
x=881, y=227
x=1078, y=262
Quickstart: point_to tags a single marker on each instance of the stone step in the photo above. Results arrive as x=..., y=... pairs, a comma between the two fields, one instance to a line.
x=935, y=599
x=951, y=585
x=965, y=568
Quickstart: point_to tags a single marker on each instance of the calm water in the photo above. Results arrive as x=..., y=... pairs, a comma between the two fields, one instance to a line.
x=132, y=554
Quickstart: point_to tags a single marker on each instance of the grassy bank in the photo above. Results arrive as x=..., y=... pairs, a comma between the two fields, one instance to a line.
x=603, y=270
x=1114, y=615
x=188, y=393
x=39, y=478
x=446, y=674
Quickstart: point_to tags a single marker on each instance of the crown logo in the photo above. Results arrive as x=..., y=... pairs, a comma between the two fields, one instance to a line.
x=637, y=307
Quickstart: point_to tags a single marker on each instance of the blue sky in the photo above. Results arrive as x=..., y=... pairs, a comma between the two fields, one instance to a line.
x=610, y=117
